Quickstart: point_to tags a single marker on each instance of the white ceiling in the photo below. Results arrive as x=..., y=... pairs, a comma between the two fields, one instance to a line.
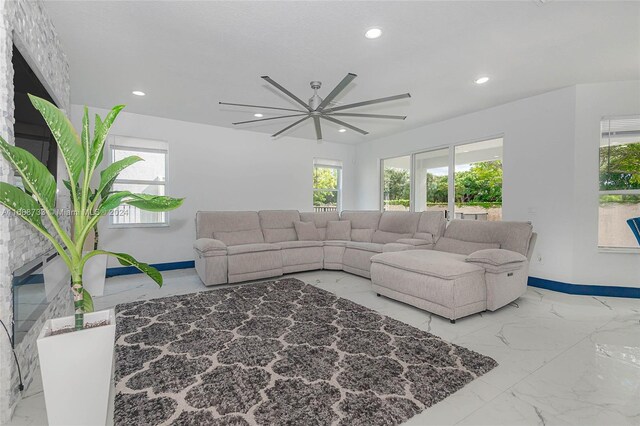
x=187, y=56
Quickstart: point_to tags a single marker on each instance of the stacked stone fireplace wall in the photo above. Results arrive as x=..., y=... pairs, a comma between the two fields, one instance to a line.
x=26, y=24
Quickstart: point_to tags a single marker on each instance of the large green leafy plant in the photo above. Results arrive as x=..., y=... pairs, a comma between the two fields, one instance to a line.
x=82, y=155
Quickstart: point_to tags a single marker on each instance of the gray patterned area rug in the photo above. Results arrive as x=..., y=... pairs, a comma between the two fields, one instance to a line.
x=278, y=353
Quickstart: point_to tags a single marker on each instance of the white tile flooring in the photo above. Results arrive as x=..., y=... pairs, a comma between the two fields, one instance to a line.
x=563, y=359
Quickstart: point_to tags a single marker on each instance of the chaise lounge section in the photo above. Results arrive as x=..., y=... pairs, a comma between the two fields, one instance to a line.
x=475, y=266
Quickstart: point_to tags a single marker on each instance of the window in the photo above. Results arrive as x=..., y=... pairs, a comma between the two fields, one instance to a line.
x=396, y=183
x=148, y=177
x=619, y=183
x=327, y=185
x=463, y=181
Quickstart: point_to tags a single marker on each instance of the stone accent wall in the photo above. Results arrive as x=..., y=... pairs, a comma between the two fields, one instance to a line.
x=26, y=24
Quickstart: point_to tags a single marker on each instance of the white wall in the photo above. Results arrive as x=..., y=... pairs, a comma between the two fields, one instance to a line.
x=594, y=101
x=217, y=168
x=550, y=165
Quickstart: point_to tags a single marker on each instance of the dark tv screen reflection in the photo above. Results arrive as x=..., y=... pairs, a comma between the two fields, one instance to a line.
x=30, y=129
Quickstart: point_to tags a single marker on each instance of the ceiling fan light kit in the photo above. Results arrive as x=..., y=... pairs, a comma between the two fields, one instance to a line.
x=319, y=109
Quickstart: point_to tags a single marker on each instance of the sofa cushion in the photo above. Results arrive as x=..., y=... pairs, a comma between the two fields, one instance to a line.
x=383, y=237
x=234, y=238
x=277, y=225
x=320, y=219
x=251, y=248
x=307, y=231
x=222, y=225
x=431, y=222
x=428, y=262
x=401, y=223
x=514, y=236
x=339, y=230
x=424, y=236
x=417, y=241
x=298, y=244
x=372, y=247
x=452, y=245
x=363, y=223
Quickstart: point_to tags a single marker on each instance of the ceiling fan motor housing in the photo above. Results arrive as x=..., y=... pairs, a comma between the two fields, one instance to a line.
x=315, y=100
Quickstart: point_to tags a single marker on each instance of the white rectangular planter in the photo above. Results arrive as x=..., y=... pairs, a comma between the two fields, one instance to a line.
x=76, y=370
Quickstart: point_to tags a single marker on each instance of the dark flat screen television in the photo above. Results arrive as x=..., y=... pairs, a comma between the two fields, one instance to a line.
x=30, y=129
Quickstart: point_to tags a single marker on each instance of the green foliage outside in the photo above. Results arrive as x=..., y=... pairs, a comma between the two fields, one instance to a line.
x=326, y=180
x=620, y=167
x=480, y=186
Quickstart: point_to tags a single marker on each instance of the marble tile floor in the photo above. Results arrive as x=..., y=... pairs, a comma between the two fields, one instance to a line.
x=563, y=359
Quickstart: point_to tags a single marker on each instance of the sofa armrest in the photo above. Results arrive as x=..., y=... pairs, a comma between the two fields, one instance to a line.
x=210, y=247
x=497, y=260
x=415, y=241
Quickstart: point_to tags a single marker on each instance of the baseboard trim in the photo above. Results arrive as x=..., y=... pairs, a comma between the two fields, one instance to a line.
x=168, y=266
x=577, y=289
x=585, y=290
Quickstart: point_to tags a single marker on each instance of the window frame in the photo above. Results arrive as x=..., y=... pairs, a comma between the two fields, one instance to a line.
x=319, y=164
x=133, y=147
x=451, y=177
x=610, y=249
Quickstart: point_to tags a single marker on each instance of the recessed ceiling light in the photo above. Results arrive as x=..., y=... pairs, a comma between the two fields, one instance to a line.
x=482, y=80
x=342, y=130
x=373, y=33
x=138, y=93
x=258, y=115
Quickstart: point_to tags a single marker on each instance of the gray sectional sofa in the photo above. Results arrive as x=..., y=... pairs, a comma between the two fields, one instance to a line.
x=453, y=271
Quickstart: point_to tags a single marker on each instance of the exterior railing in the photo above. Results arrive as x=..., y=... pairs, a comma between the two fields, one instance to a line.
x=319, y=209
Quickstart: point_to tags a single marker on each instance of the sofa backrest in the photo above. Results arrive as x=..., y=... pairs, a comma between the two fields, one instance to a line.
x=363, y=223
x=431, y=225
x=395, y=225
x=320, y=219
x=514, y=236
x=277, y=225
x=232, y=228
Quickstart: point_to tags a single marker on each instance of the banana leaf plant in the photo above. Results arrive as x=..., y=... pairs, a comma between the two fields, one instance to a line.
x=82, y=155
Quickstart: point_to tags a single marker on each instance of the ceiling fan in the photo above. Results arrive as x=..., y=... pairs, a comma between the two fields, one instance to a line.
x=319, y=108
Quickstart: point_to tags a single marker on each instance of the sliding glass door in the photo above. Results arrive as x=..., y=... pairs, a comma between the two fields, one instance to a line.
x=464, y=181
x=478, y=180
x=432, y=180
x=396, y=183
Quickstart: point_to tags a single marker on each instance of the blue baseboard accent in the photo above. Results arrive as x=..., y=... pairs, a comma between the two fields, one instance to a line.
x=577, y=289
x=129, y=270
x=585, y=290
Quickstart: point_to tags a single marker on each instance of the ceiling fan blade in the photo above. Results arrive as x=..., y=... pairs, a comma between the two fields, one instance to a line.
x=286, y=92
x=269, y=118
x=371, y=102
x=289, y=127
x=260, y=106
x=391, y=117
x=342, y=123
x=316, y=122
x=336, y=91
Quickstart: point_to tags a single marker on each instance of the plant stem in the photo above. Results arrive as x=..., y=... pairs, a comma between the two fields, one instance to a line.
x=78, y=301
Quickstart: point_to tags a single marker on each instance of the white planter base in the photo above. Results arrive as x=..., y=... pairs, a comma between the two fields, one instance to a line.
x=76, y=370
x=94, y=275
